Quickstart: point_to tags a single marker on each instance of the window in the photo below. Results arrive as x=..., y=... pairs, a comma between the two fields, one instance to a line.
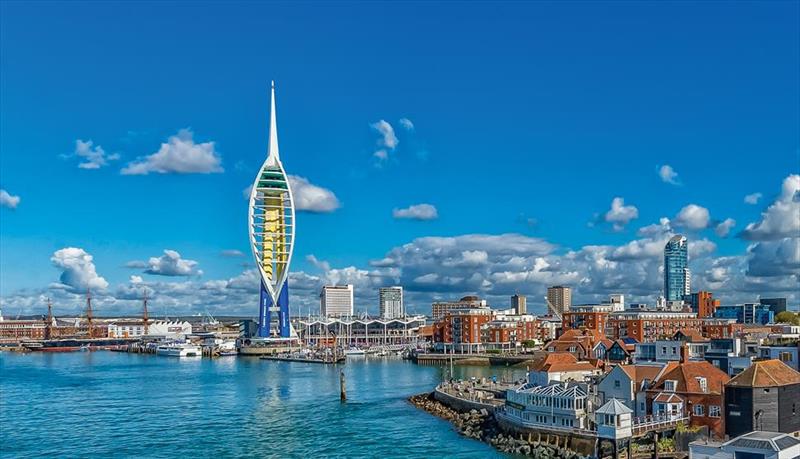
x=699, y=410
x=785, y=356
x=669, y=385
x=641, y=407
x=664, y=349
x=713, y=411
x=703, y=384
x=616, y=383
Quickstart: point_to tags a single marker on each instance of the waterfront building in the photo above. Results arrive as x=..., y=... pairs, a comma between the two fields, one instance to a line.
x=560, y=405
x=690, y=388
x=519, y=303
x=729, y=355
x=585, y=318
x=560, y=298
x=15, y=330
x=752, y=445
x=647, y=326
x=391, y=302
x=703, y=303
x=272, y=227
x=677, y=278
x=548, y=327
x=628, y=384
x=169, y=329
x=362, y=332
x=336, y=301
x=747, y=313
x=776, y=305
x=460, y=329
x=126, y=329
x=509, y=332
x=614, y=420
x=763, y=397
x=440, y=308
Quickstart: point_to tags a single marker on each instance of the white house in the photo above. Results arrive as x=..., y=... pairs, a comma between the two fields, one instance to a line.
x=558, y=405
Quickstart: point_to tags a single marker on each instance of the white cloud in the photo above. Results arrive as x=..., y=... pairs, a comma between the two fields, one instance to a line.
x=775, y=258
x=94, y=157
x=388, y=140
x=312, y=198
x=668, y=174
x=693, y=217
x=407, y=124
x=171, y=264
x=782, y=218
x=724, y=228
x=180, y=155
x=620, y=214
x=323, y=265
x=417, y=212
x=232, y=253
x=753, y=198
x=134, y=279
x=78, y=271
x=8, y=200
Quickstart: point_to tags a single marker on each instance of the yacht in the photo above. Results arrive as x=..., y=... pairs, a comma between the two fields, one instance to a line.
x=354, y=352
x=179, y=350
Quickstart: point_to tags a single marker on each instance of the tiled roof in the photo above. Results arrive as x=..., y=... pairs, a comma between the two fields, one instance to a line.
x=686, y=375
x=578, y=366
x=542, y=363
x=638, y=373
x=766, y=373
x=667, y=397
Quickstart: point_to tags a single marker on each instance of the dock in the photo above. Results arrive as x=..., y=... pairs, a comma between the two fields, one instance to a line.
x=280, y=358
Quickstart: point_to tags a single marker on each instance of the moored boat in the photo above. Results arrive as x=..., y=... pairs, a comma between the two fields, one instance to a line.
x=179, y=350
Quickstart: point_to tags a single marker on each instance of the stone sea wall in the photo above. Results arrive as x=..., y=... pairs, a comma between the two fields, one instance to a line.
x=481, y=425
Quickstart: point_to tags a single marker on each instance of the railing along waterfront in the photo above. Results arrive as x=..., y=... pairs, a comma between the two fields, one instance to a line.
x=651, y=422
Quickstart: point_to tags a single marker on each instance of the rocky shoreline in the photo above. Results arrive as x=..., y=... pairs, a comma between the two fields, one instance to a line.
x=481, y=425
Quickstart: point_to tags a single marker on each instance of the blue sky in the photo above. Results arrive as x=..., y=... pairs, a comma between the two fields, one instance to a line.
x=528, y=120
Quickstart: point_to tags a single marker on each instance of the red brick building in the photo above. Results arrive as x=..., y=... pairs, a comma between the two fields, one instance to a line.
x=577, y=320
x=692, y=388
x=460, y=329
x=509, y=333
x=704, y=304
x=648, y=326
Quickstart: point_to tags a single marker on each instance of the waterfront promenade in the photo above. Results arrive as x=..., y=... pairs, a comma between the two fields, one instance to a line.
x=133, y=405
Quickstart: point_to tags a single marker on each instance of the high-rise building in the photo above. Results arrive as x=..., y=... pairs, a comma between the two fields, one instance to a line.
x=560, y=298
x=271, y=227
x=677, y=278
x=336, y=301
x=704, y=303
x=520, y=304
x=391, y=302
x=776, y=305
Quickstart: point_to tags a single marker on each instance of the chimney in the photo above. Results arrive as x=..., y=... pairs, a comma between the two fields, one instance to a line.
x=684, y=352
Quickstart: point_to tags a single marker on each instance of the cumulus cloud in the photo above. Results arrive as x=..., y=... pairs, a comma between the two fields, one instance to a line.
x=388, y=140
x=407, y=124
x=232, y=253
x=94, y=157
x=78, y=271
x=724, y=228
x=753, y=198
x=774, y=258
x=323, y=265
x=417, y=212
x=620, y=214
x=171, y=264
x=9, y=200
x=180, y=155
x=693, y=217
x=782, y=218
x=312, y=198
x=668, y=175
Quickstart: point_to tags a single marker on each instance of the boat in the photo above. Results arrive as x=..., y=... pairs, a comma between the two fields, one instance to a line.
x=179, y=350
x=354, y=352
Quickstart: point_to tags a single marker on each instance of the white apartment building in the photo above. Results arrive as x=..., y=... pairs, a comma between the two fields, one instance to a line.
x=336, y=301
x=391, y=302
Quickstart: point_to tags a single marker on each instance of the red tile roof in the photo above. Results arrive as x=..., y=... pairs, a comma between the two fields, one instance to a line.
x=686, y=375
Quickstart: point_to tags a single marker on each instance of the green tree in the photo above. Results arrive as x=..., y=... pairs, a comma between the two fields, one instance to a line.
x=787, y=317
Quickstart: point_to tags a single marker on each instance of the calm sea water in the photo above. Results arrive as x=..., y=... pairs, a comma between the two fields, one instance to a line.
x=127, y=405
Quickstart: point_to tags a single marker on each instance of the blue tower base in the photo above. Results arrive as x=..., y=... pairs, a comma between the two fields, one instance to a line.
x=265, y=315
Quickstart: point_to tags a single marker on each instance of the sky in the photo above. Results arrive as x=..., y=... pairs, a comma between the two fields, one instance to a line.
x=453, y=148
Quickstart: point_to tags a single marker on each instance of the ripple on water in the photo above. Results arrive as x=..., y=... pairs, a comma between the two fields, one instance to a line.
x=128, y=405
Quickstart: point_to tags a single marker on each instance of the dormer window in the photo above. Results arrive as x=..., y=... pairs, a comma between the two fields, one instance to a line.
x=703, y=384
x=669, y=385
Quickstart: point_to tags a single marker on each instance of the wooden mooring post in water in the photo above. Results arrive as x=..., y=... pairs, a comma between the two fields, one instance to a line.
x=342, y=389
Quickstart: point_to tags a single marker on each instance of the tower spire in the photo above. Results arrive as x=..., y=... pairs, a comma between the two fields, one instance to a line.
x=273, y=155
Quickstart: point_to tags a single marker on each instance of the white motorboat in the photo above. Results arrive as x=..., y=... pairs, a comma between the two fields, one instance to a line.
x=179, y=350
x=352, y=352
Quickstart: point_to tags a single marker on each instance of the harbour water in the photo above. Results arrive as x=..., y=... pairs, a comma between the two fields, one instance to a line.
x=131, y=405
